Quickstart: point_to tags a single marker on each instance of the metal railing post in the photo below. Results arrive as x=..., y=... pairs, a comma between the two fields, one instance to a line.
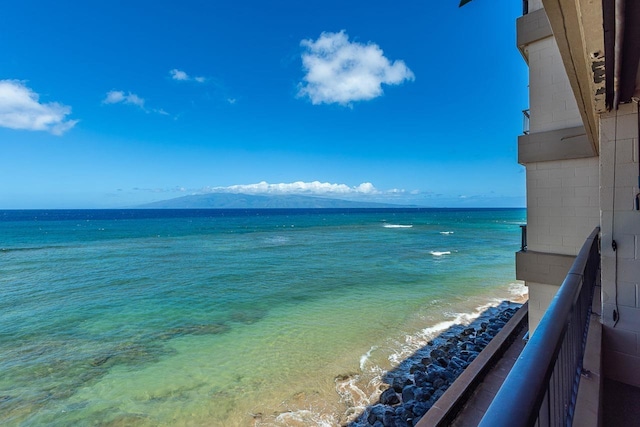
x=523, y=238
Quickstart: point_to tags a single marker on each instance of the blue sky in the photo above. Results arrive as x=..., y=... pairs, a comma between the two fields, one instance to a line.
x=118, y=103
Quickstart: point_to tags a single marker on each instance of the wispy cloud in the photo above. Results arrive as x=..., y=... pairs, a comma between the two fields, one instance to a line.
x=118, y=96
x=340, y=71
x=183, y=76
x=20, y=108
x=219, y=88
x=366, y=190
x=298, y=187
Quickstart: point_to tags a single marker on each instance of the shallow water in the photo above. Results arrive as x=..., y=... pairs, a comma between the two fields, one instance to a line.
x=231, y=318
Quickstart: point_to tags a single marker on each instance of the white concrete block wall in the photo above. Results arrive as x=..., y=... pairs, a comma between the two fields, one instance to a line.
x=563, y=198
x=540, y=296
x=562, y=204
x=535, y=5
x=620, y=222
x=551, y=102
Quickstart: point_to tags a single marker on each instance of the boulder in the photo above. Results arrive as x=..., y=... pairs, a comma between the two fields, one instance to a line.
x=399, y=383
x=417, y=367
x=376, y=413
x=439, y=382
x=420, y=378
x=390, y=419
x=408, y=393
x=389, y=397
x=422, y=394
x=468, y=331
x=420, y=409
x=436, y=353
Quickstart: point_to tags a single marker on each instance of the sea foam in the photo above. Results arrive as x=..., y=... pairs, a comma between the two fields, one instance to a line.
x=397, y=226
x=365, y=357
x=438, y=253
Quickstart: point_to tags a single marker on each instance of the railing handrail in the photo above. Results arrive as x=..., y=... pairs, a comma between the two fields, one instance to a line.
x=518, y=401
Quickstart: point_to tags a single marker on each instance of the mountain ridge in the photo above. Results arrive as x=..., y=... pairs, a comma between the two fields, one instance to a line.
x=252, y=201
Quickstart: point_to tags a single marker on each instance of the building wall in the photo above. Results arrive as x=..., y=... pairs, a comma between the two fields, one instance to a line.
x=620, y=222
x=562, y=204
x=540, y=296
x=552, y=104
x=535, y=5
x=562, y=193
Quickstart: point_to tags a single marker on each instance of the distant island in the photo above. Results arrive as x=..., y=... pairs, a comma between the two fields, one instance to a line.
x=250, y=201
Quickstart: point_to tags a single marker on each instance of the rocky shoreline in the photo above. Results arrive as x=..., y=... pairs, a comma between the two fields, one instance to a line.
x=415, y=385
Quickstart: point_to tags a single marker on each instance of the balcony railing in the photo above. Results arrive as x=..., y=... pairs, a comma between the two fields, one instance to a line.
x=542, y=386
x=525, y=121
x=523, y=237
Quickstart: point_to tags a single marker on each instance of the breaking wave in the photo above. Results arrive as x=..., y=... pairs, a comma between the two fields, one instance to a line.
x=438, y=253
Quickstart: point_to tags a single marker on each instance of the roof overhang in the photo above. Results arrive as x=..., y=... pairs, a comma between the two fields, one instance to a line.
x=622, y=50
x=591, y=39
x=578, y=30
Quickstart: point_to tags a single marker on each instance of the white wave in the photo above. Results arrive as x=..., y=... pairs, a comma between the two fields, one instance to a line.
x=413, y=343
x=352, y=395
x=365, y=357
x=446, y=233
x=518, y=289
x=397, y=226
x=277, y=240
x=433, y=331
x=438, y=253
x=419, y=340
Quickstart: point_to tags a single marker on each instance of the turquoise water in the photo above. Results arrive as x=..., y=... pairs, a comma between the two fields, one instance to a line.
x=231, y=318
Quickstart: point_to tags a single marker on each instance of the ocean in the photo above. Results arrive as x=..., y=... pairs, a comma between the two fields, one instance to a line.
x=232, y=317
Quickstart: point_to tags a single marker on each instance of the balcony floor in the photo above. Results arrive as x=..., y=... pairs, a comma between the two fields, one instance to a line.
x=621, y=404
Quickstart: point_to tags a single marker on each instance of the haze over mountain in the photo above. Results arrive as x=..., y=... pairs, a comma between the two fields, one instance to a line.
x=249, y=201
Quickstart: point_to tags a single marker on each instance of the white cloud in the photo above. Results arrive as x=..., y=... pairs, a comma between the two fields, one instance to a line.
x=339, y=71
x=118, y=96
x=20, y=109
x=183, y=76
x=178, y=75
x=298, y=187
